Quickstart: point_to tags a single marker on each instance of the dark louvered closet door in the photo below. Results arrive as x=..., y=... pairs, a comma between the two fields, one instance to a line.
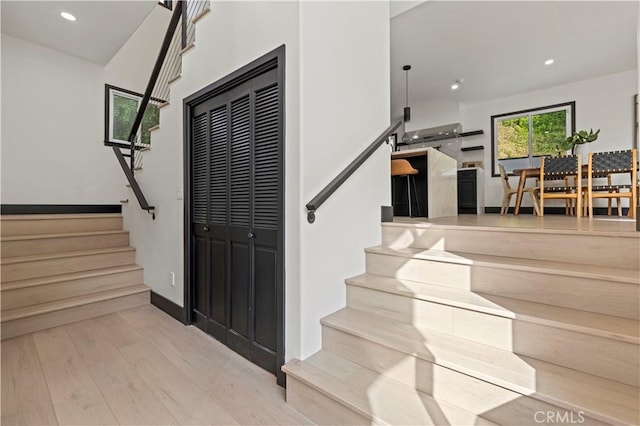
x=209, y=213
x=240, y=215
x=236, y=193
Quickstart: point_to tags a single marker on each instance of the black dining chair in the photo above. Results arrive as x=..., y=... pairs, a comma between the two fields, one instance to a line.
x=605, y=164
x=553, y=171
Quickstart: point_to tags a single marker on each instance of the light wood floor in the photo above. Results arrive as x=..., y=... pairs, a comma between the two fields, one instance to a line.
x=605, y=224
x=135, y=367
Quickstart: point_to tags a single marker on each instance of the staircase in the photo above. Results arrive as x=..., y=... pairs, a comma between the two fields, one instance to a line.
x=58, y=269
x=477, y=325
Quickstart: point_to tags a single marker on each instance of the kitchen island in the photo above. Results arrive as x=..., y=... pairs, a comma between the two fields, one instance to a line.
x=436, y=184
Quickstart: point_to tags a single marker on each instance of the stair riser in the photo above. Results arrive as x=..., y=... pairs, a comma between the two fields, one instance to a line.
x=17, y=298
x=604, y=357
x=594, y=295
x=599, y=356
x=600, y=296
x=321, y=409
x=590, y=249
x=34, y=247
x=492, y=401
x=67, y=316
x=43, y=268
x=33, y=226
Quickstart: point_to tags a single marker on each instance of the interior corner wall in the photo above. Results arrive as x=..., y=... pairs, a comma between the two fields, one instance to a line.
x=344, y=105
x=130, y=68
x=604, y=103
x=52, y=114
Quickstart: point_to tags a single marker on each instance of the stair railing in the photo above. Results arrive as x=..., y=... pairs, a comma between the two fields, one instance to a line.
x=167, y=68
x=332, y=186
x=166, y=42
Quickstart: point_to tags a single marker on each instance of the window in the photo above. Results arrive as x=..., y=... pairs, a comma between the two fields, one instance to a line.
x=122, y=106
x=520, y=138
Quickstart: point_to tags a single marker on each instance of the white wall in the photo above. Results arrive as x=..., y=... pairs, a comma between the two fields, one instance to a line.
x=344, y=103
x=53, y=118
x=131, y=67
x=52, y=151
x=604, y=103
x=333, y=110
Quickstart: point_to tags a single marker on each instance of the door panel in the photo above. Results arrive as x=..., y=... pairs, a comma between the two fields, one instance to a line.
x=265, y=297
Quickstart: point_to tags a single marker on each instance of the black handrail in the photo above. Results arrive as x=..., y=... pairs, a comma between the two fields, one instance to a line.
x=173, y=24
x=133, y=183
x=326, y=192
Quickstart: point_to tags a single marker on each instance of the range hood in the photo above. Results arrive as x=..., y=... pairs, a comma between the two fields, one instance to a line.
x=432, y=134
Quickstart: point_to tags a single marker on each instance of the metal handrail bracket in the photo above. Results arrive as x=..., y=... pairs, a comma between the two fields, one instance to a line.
x=332, y=186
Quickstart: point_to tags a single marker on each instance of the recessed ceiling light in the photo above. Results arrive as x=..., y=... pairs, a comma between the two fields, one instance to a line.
x=455, y=86
x=549, y=61
x=68, y=16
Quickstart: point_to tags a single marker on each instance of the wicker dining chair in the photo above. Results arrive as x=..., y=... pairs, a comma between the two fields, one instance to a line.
x=609, y=163
x=554, y=170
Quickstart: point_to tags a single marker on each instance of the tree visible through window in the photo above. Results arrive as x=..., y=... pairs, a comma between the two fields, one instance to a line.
x=123, y=109
x=521, y=138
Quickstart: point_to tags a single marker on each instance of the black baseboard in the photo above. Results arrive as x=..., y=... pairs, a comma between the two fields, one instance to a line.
x=59, y=208
x=168, y=307
x=598, y=211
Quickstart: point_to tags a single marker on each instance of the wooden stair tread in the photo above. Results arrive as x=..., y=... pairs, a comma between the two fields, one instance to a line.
x=391, y=403
x=630, y=276
x=607, y=326
x=28, y=311
x=548, y=382
x=58, y=216
x=544, y=228
x=201, y=15
x=64, y=235
x=21, y=259
x=33, y=282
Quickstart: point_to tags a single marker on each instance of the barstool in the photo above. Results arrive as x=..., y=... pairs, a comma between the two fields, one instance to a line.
x=402, y=168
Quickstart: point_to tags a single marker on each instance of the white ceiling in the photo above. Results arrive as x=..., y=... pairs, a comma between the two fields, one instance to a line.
x=100, y=31
x=499, y=47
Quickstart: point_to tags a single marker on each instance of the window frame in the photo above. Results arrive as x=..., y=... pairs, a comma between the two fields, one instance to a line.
x=570, y=107
x=109, y=91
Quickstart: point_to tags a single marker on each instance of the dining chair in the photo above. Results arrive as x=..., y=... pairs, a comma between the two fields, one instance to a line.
x=603, y=164
x=509, y=192
x=554, y=170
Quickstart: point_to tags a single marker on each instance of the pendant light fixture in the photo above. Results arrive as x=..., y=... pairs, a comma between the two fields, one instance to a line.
x=407, y=110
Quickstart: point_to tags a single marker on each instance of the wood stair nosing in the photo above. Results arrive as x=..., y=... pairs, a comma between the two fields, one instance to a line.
x=630, y=276
x=61, y=235
x=28, y=267
x=598, y=396
x=109, y=279
x=53, y=279
x=30, y=245
x=511, y=229
x=44, y=308
x=17, y=225
x=584, y=248
x=597, y=324
x=62, y=255
x=416, y=407
x=80, y=312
